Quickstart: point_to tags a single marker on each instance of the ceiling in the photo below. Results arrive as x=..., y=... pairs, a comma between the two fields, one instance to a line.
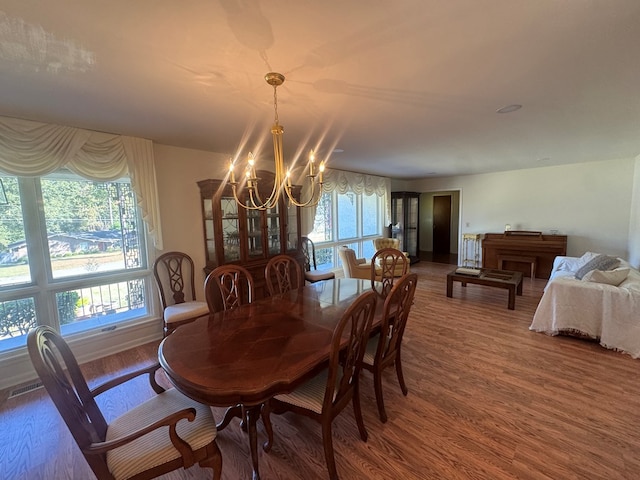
x=404, y=89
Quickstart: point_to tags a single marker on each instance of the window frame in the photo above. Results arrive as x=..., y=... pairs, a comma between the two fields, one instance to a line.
x=43, y=288
x=357, y=242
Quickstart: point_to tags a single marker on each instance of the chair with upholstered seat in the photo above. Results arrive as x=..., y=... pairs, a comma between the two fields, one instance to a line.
x=175, y=278
x=227, y=287
x=167, y=432
x=383, y=349
x=283, y=273
x=386, y=265
x=354, y=267
x=324, y=396
x=311, y=272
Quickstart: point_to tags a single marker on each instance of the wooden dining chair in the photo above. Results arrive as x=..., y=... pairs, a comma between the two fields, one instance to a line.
x=324, y=396
x=384, y=348
x=227, y=287
x=311, y=272
x=283, y=273
x=175, y=278
x=167, y=432
x=386, y=265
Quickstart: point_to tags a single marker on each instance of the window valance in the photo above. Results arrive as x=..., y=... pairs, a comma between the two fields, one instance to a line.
x=32, y=149
x=343, y=181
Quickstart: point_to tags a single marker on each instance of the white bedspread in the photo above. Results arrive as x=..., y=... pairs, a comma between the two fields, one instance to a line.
x=608, y=313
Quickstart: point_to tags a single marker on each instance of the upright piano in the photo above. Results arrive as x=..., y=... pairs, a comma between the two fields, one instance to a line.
x=516, y=249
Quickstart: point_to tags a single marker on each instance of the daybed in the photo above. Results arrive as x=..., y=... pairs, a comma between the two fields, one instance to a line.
x=602, y=304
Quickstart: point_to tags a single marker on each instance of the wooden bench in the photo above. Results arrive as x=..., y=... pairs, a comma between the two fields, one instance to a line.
x=518, y=259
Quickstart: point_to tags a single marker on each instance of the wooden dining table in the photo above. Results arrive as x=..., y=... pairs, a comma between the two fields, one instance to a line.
x=243, y=357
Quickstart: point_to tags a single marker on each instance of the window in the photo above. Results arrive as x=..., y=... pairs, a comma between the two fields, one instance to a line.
x=346, y=219
x=72, y=255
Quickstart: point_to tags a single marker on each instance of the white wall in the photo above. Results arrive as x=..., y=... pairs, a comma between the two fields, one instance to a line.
x=178, y=170
x=589, y=202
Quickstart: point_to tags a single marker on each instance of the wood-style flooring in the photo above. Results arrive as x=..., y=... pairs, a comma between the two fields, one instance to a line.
x=488, y=399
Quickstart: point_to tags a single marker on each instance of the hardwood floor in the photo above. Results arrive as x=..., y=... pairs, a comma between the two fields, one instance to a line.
x=488, y=399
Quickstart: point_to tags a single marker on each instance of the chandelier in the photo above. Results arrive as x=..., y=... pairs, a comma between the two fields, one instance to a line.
x=282, y=181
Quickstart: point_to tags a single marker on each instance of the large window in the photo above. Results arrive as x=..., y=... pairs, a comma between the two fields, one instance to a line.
x=72, y=255
x=351, y=219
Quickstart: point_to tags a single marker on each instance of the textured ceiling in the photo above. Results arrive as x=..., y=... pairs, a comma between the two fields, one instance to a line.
x=407, y=88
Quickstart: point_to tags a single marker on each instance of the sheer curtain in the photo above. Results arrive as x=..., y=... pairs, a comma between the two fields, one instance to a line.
x=344, y=181
x=31, y=149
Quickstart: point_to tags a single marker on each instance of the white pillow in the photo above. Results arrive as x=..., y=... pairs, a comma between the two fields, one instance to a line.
x=586, y=257
x=610, y=277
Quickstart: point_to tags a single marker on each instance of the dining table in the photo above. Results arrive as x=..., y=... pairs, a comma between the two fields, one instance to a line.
x=241, y=358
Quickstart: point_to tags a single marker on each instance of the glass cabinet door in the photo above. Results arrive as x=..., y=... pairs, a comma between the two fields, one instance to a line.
x=207, y=206
x=254, y=234
x=230, y=229
x=411, y=228
x=292, y=227
x=273, y=230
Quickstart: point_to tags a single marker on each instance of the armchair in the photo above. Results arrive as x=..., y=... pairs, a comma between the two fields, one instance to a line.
x=384, y=242
x=354, y=267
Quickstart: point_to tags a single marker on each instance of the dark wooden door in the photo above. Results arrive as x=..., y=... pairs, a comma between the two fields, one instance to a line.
x=442, y=224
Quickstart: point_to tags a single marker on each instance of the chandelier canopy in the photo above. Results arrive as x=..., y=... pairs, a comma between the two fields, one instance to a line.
x=282, y=181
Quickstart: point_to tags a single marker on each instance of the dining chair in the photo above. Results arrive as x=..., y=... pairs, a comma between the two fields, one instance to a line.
x=311, y=272
x=325, y=395
x=175, y=278
x=167, y=432
x=386, y=265
x=384, y=348
x=283, y=273
x=227, y=287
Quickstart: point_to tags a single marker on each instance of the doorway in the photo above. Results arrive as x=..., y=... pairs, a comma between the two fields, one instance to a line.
x=442, y=224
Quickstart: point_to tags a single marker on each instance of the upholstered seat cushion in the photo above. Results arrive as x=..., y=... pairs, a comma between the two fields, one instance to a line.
x=369, y=356
x=185, y=311
x=156, y=448
x=317, y=275
x=310, y=394
x=370, y=352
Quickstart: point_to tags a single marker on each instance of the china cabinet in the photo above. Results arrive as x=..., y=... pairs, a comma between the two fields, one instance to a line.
x=405, y=218
x=233, y=234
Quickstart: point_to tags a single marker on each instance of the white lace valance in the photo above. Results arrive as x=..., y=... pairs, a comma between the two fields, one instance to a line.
x=360, y=183
x=32, y=149
x=343, y=181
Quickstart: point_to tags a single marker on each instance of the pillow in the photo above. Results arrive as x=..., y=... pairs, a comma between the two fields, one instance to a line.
x=601, y=262
x=611, y=277
x=586, y=257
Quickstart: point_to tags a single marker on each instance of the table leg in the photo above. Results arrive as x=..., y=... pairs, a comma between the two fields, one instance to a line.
x=449, y=287
x=253, y=413
x=519, y=290
x=230, y=414
x=512, y=297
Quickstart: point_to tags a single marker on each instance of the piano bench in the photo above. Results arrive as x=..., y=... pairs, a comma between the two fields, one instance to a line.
x=518, y=259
